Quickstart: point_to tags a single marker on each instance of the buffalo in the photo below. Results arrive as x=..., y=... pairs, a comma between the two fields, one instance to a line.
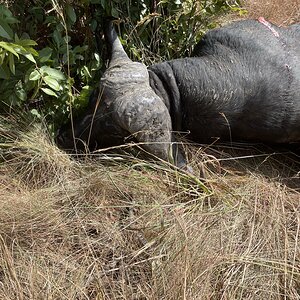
x=242, y=83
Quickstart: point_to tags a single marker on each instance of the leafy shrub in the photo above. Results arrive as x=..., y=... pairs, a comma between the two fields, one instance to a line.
x=52, y=53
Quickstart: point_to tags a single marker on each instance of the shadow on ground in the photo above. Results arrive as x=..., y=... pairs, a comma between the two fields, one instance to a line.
x=277, y=163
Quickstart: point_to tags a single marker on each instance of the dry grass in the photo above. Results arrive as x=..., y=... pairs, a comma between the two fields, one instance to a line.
x=98, y=229
x=280, y=12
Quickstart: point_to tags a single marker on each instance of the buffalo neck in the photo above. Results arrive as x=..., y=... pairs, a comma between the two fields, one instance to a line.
x=179, y=80
x=163, y=82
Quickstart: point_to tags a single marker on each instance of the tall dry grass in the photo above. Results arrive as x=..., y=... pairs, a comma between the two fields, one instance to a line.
x=108, y=227
x=120, y=228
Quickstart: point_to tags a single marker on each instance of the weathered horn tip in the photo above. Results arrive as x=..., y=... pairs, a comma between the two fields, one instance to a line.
x=110, y=32
x=117, y=50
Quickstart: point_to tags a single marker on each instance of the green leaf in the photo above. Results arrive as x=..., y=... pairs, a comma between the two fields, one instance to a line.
x=11, y=62
x=67, y=39
x=26, y=43
x=49, y=92
x=11, y=20
x=5, y=11
x=54, y=73
x=52, y=82
x=114, y=12
x=70, y=81
x=2, y=57
x=24, y=36
x=21, y=94
x=13, y=100
x=71, y=13
x=79, y=49
x=30, y=57
x=57, y=37
x=97, y=57
x=102, y=2
x=79, y=57
x=32, y=51
x=4, y=72
x=84, y=95
x=35, y=75
x=94, y=25
x=25, y=50
x=9, y=47
x=86, y=72
x=5, y=30
x=16, y=38
x=35, y=113
x=45, y=54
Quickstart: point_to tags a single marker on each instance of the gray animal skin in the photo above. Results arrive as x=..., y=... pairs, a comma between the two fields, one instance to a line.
x=242, y=83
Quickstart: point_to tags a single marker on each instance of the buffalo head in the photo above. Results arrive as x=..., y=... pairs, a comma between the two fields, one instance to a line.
x=125, y=106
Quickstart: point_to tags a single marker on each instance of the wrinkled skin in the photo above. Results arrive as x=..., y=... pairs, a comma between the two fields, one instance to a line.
x=242, y=83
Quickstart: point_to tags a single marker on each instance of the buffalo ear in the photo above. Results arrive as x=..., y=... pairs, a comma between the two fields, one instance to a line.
x=148, y=120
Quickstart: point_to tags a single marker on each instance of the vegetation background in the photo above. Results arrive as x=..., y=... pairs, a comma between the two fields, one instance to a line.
x=53, y=52
x=116, y=227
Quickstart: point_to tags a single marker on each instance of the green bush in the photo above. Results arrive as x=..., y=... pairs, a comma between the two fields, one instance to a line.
x=52, y=53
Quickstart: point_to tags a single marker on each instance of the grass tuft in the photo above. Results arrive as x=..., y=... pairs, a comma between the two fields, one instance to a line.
x=92, y=229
